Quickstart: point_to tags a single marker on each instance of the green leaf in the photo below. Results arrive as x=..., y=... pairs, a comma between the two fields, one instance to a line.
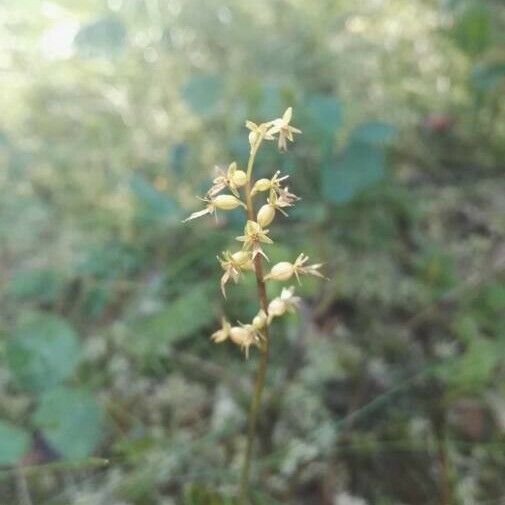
x=13, y=443
x=271, y=101
x=472, y=28
x=202, y=92
x=487, y=77
x=324, y=114
x=374, y=132
x=70, y=420
x=360, y=166
x=41, y=284
x=184, y=317
x=43, y=352
x=153, y=205
x=475, y=367
x=104, y=37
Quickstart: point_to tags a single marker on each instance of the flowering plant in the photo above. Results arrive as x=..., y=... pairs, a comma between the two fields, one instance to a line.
x=242, y=193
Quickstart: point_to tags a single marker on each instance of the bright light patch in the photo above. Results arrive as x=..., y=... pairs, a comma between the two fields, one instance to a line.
x=57, y=41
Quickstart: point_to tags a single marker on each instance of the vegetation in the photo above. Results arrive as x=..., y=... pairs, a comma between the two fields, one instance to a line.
x=386, y=387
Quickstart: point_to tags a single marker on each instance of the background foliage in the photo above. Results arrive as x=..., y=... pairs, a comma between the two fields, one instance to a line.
x=388, y=388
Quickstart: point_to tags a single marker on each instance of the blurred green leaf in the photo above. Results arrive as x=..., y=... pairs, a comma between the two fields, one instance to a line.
x=202, y=92
x=436, y=270
x=104, y=37
x=71, y=421
x=323, y=114
x=374, y=132
x=487, y=77
x=41, y=284
x=360, y=166
x=474, y=368
x=43, y=352
x=13, y=443
x=195, y=494
x=188, y=314
x=177, y=156
x=270, y=101
x=108, y=260
x=472, y=28
x=154, y=205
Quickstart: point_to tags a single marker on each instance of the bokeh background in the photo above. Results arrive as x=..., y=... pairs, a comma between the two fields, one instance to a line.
x=388, y=388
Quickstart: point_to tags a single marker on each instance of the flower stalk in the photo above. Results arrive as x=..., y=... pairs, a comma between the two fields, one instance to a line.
x=251, y=257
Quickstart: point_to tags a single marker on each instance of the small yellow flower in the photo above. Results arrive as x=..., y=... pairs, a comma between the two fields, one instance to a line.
x=286, y=302
x=223, y=202
x=253, y=235
x=233, y=264
x=265, y=215
x=284, y=270
x=258, y=131
x=282, y=127
x=261, y=185
x=281, y=199
x=232, y=179
x=245, y=336
x=260, y=320
x=223, y=333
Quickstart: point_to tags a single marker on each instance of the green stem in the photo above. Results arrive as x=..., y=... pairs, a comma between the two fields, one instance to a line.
x=262, y=366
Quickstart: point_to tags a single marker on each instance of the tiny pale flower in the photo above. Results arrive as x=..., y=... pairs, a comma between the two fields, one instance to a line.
x=261, y=185
x=253, y=235
x=244, y=336
x=286, y=302
x=260, y=320
x=285, y=131
x=223, y=333
x=276, y=308
x=284, y=270
x=223, y=202
x=227, y=202
x=265, y=215
x=233, y=264
x=232, y=179
x=258, y=132
x=281, y=271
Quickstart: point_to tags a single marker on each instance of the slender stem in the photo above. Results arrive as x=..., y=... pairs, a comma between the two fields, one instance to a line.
x=262, y=366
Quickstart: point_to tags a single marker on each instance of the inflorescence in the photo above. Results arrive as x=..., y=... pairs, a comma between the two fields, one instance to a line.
x=240, y=193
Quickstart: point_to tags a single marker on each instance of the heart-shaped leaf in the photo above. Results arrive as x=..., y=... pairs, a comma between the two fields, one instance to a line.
x=374, y=132
x=360, y=166
x=43, y=352
x=13, y=443
x=70, y=420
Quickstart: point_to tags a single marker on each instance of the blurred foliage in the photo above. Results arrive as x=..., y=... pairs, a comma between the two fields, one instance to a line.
x=388, y=387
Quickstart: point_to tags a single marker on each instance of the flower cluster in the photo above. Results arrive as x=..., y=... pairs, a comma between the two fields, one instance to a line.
x=242, y=192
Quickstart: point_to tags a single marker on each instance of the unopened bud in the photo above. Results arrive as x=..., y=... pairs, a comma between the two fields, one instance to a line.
x=261, y=185
x=266, y=215
x=239, y=335
x=259, y=320
x=239, y=178
x=276, y=308
x=226, y=202
x=281, y=271
x=241, y=257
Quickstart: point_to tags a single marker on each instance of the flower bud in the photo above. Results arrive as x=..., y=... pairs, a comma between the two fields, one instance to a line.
x=239, y=335
x=226, y=202
x=239, y=178
x=259, y=320
x=261, y=185
x=276, y=308
x=241, y=257
x=281, y=271
x=223, y=333
x=266, y=215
